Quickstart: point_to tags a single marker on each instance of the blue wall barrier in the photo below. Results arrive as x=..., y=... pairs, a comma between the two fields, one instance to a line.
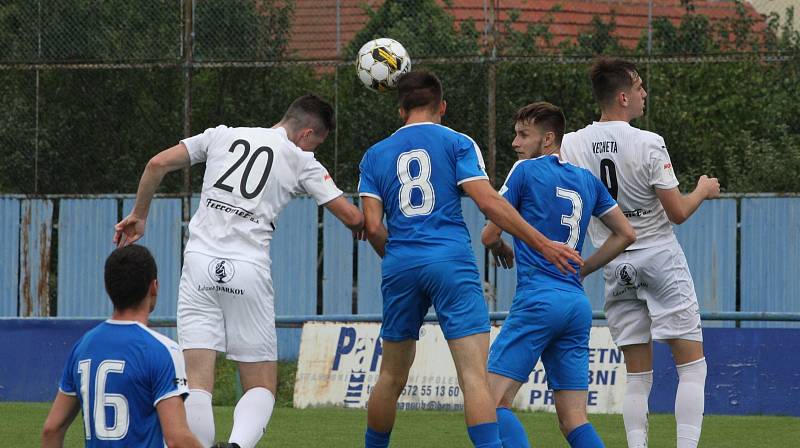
x=743, y=378
x=750, y=371
x=33, y=354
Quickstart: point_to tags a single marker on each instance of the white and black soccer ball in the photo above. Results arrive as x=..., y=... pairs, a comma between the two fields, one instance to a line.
x=381, y=62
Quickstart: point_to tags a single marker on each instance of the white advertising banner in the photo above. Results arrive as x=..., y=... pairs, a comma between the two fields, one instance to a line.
x=339, y=364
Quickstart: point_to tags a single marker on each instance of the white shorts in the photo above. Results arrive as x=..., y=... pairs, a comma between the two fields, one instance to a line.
x=650, y=295
x=228, y=306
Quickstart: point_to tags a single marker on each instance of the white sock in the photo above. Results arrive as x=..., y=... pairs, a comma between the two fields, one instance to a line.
x=635, y=408
x=200, y=416
x=251, y=416
x=690, y=402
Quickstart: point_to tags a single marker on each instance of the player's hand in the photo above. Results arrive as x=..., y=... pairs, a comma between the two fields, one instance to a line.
x=710, y=186
x=560, y=255
x=503, y=255
x=128, y=231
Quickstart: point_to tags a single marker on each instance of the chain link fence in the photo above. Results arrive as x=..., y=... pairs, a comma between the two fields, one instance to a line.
x=91, y=90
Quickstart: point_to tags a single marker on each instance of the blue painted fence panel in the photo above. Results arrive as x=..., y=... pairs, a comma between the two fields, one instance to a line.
x=337, y=272
x=475, y=221
x=505, y=280
x=36, y=231
x=708, y=239
x=370, y=299
x=164, y=239
x=770, y=257
x=9, y=254
x=293, y=251
x=85, y=229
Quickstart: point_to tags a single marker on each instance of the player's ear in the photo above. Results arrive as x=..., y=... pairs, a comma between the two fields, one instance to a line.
x=622, y=98
x=153, y=290
x=402, y=113
x=442, y=108
x=549, y=138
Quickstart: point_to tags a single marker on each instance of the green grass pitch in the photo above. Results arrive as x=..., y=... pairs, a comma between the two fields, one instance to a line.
x=330, y=427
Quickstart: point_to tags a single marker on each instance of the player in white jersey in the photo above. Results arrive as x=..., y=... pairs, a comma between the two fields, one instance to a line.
x=128, y=380
x=225, y=301
x=648, y=289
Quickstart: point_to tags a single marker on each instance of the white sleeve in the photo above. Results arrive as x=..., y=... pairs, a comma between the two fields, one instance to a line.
x=662, y=175
x=198, y=145
x=315, y=180
x=566, y=149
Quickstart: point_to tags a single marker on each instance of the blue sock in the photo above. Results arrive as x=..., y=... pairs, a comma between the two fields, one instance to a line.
x=584, y=436
x=375, y=439
x=512, y=433
x=485, y=435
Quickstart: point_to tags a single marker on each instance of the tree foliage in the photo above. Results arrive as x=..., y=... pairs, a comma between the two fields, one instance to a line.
x=94, y=130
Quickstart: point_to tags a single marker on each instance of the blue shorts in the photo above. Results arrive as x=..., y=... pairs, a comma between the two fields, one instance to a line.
x=453, y=288
x=550, y=323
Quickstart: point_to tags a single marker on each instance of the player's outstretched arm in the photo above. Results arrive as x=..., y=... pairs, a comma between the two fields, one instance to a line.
x=172, y=416
x=503, y=253
x=347, y=213
x=500, y=212
x=373, y=224
x=680, y=207
x=622, y=236
x=131, y=228
x=65, y=408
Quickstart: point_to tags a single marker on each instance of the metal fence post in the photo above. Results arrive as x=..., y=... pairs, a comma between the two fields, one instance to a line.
x=188, y=55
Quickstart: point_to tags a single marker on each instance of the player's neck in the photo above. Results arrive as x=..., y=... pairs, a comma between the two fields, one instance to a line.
x=615, y=115
x=133, y=314
x=422, y=116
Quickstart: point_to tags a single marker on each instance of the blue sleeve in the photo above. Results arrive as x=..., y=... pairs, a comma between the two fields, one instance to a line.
x=167, y=373
x=469, y=160
x=511, y=189
x=67, y=384
x=366, y=181
x=604, y=201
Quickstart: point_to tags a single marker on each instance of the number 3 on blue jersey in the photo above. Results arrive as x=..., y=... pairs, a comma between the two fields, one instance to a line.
x=573, y=220
x=421, y=182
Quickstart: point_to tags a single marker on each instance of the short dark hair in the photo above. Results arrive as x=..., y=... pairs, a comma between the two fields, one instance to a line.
x=311, y=111
x=129, y=271
x=610, y=76
x=545, y=116
x=419, y=89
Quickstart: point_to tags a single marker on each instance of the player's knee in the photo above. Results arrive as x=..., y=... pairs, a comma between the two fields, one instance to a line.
x=571, y=419
x=394, y=382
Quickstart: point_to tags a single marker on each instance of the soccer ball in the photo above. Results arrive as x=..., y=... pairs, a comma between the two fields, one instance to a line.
x=381, y=62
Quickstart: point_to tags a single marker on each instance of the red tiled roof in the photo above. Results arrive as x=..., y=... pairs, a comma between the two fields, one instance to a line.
x=313, y=32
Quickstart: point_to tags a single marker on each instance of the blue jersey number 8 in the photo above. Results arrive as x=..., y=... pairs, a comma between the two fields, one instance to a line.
x=420, y=182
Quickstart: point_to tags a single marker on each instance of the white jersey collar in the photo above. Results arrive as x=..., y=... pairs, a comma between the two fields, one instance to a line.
x=415, y=124
x=121, y=322
x=611, y=123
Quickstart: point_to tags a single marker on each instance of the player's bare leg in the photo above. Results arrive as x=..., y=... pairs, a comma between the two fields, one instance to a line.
x=200, y=374
x=690, y=398
x=503, y=390
x=470, y=355
x=254, y=409
x=639, y=364
x=573, y=421
x=396, y=361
